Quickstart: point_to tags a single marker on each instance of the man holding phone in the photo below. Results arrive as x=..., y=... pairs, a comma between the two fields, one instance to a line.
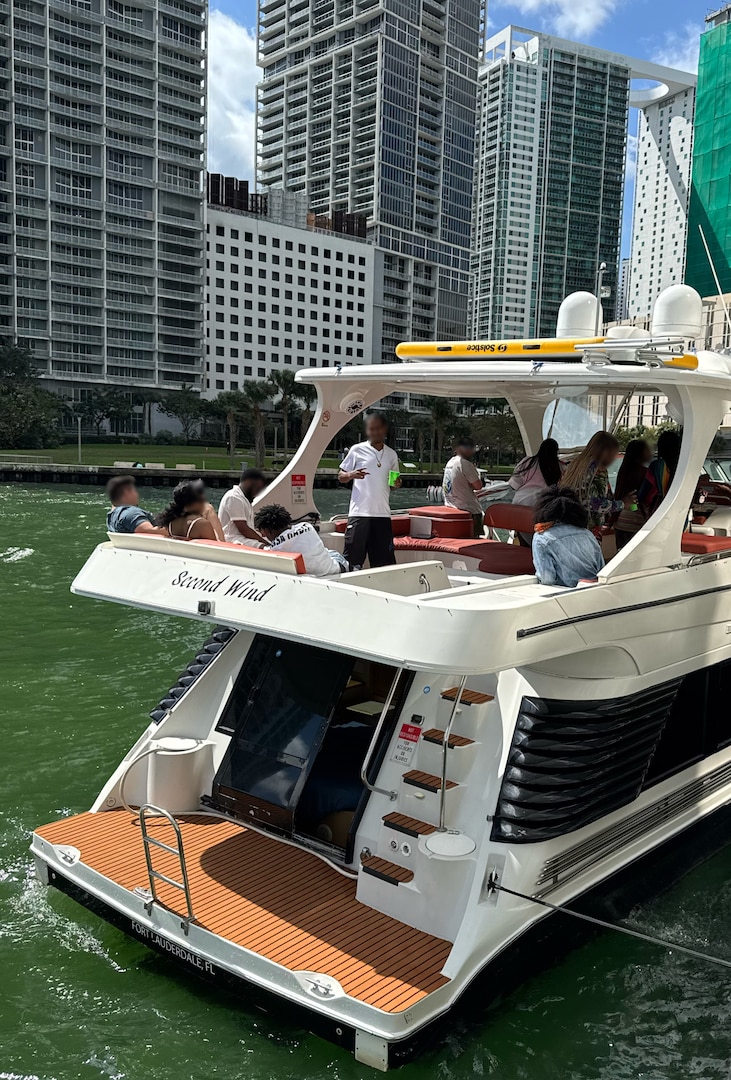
x=373, y=469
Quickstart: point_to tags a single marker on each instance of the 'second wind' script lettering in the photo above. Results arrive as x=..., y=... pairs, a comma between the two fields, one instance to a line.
x=243, y=589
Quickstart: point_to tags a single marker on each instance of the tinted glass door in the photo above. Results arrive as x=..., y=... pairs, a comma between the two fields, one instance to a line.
x=277, y=716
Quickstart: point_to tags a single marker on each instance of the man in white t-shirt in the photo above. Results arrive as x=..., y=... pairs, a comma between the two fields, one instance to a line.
x=461, y=481
x=373, y=469
x=236, y=512
x=274, y=522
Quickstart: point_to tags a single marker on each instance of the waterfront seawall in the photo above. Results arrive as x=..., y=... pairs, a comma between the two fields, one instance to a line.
x=98, y=475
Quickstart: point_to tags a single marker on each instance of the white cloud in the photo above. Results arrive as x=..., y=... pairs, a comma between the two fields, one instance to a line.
x=232, y=79
x=679, y=48
x=578, y=19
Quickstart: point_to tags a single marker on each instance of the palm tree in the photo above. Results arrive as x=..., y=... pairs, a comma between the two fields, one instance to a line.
x=421, y=425
x=232, y=406
x=443, y=418
x=257, y=392
x=306, y=393
x=284, y=385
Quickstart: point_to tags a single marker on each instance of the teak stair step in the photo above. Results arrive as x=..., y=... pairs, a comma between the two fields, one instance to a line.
x=436, y=735
x=426, y=780
x=411, y=826
x=385, y=870
x=469, y=697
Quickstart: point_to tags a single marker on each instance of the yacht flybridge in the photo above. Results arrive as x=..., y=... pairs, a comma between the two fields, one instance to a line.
x=323, y=805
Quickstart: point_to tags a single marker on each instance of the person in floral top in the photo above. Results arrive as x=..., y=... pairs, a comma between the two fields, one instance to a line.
x=587, y=475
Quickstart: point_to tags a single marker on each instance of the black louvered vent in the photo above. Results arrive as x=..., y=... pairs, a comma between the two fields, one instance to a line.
x=572, y=762
x=218, y=640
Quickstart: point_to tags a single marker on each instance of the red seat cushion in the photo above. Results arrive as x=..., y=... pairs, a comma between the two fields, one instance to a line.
x=444, y=513
x=509, y=516
x=292, y=556
x=698, y=544
x=400, y=524
x=495, y=557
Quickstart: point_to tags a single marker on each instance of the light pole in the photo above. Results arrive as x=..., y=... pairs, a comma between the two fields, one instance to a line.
x=78, y=435
x=599, y=279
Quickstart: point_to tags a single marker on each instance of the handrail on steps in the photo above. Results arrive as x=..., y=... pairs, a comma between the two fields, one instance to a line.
x=445, y=748
x=374, y=741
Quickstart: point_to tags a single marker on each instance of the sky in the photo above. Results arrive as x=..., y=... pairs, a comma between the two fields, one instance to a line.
x=664, y=31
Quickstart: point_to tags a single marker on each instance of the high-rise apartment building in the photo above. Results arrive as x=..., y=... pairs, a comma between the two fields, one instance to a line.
x=660, y=211
x=368, y=106
x=710, y=191
x=623, y=287
x=550, y=176
x=101, y=197
x=285, y=289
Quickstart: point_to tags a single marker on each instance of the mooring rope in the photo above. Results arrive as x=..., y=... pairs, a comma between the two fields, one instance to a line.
x=493, y=886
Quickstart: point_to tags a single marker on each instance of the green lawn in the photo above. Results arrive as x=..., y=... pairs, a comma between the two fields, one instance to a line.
x=203, y=458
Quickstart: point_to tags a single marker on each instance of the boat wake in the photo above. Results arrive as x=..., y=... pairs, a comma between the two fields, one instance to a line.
x=15, y=554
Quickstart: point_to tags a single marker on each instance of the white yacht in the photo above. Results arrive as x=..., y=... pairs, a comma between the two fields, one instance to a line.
x=321, y=808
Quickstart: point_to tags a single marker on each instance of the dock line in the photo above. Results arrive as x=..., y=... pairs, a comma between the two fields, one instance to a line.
x=493, y=886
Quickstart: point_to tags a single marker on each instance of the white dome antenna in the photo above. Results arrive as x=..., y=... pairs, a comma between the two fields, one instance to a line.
x=678, y=313
x=577, y=316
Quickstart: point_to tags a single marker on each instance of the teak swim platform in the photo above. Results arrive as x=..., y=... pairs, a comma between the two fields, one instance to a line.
x=238, y=893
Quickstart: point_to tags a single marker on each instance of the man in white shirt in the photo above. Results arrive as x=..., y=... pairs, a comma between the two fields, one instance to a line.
x=373, y=468
x=461, y=481
x=236, y=512
x=275, y=525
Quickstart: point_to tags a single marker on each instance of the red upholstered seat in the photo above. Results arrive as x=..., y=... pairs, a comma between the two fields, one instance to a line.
x=446, y=521
x=698, y=544
x=444, y=513
x=294, y=557
x=400, y=524
x=509, y=516
x=495, y=557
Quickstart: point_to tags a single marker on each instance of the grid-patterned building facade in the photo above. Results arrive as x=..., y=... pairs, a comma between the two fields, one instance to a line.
x=102, y=109
x=660, y=210
x=368, y=106
x=284, y=292
x=550, y=179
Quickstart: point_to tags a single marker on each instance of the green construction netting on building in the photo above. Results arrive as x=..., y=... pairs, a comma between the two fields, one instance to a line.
x=710, y=193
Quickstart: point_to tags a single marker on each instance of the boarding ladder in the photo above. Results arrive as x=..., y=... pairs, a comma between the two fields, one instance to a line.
x=148, y=810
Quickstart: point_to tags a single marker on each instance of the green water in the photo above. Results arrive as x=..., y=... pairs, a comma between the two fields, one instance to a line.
x=79, y=1000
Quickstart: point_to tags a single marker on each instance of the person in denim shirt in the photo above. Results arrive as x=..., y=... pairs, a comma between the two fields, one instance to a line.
x=126, y=516
x=565, y=552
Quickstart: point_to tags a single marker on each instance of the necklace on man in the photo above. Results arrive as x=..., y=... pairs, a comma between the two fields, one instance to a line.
x=379, y=461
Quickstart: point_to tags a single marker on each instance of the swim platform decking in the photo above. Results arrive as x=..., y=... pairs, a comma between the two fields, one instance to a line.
x=281, y=902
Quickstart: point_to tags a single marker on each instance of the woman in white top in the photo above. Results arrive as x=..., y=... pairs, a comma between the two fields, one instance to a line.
x=533, y=475
x=275, y=524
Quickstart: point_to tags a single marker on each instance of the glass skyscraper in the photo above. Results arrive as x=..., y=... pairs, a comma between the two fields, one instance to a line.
x=101, y=199
x=710, y=188
x=369, y=107
x=550, y=179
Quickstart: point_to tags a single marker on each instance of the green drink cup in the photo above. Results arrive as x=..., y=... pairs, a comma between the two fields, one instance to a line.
x=392, y=478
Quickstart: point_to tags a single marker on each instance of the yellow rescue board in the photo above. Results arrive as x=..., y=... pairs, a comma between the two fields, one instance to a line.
x=687, y=362
x=466, y=350
x=568, y=348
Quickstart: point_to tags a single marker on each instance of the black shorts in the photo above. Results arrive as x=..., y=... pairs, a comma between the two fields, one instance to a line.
x=371, y=538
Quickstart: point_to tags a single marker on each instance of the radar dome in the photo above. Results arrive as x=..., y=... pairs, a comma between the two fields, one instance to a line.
x=678, y=313
x=577, y=316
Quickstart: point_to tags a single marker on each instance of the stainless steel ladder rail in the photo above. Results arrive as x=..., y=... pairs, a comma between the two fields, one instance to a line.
x=148, y=810
x=445, y=751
